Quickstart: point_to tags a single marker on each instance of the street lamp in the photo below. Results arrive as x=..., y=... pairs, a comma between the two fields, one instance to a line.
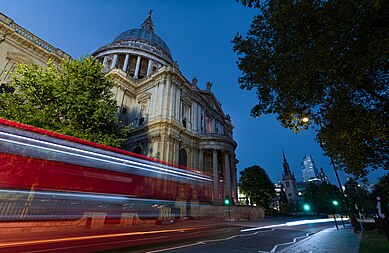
x=227, y=202
x=352, y=217
x=305, y=119
x=336, y=203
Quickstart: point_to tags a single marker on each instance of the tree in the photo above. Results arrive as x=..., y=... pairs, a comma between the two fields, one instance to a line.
x=327, y=60
x=382, y=188
x=290, y=208
x=321, y=196
x=358, y=197
x=75, y=100
x=256, y=185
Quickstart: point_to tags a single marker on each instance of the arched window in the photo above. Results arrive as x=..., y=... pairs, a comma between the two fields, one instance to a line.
x=137, y=150
x=182, y=158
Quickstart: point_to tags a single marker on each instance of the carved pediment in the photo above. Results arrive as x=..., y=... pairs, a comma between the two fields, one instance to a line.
x=19, y=57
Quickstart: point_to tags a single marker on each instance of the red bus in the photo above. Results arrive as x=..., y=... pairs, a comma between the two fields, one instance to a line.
x=46, y=175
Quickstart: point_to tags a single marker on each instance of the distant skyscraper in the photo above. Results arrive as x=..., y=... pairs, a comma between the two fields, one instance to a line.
x=308, y=169
x=289, y=181
x=323, y=177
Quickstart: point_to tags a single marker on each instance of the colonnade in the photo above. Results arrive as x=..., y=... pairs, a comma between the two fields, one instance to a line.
x=224, y=181
x=125, y=66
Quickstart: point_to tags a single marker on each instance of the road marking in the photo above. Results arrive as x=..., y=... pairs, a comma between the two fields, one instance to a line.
x=173, y=248
x=208, y=241
x=90, y=245
x=294, y=241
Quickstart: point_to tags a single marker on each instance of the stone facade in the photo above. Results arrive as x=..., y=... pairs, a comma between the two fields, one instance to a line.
x=174, y=120
x=17, y=45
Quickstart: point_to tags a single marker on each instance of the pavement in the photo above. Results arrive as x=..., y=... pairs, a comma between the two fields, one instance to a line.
x=327, y=241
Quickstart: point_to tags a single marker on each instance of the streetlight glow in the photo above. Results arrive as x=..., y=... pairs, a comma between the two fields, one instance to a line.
x=305, y=119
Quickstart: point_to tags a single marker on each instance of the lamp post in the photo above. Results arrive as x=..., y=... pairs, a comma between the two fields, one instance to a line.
x=351, y=214
x=227, y=202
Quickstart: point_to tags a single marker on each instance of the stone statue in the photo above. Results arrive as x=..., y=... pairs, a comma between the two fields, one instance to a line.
x=209, y=86
x=194, y=81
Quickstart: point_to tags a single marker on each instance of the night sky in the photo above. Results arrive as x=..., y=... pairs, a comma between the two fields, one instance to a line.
x=199, y=35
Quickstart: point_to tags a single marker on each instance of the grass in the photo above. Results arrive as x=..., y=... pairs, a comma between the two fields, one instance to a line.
x=373, y=242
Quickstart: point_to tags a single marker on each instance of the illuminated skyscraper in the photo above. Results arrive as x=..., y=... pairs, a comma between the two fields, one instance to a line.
x=308, y=169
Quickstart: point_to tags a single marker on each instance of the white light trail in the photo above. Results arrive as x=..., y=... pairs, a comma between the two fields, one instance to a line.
x=161, y=168
x=292, y=223
x=85, y=195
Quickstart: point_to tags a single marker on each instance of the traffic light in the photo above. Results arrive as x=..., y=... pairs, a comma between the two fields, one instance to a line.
x=335, y=203
x=227, y=201
x=306, y=207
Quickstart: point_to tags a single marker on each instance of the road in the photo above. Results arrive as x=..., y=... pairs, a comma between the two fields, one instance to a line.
x=261, y=240
x=186, y=236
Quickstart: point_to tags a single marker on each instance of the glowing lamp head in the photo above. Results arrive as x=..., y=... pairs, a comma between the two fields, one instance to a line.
x=305, y=119
x=227, y=201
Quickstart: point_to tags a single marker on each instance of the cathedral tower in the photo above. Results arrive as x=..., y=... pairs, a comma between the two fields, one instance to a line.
x=289, y=180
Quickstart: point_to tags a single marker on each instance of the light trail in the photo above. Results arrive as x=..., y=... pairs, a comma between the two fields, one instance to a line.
x=292, y=223
x=80, y=238
x=91, y=245
x=161, y=168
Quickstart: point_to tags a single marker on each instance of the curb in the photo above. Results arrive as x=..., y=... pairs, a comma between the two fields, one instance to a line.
x=287, y=249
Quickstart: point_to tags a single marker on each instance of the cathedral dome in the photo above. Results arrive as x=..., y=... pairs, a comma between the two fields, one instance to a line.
x=139, y=52
x=142, y=34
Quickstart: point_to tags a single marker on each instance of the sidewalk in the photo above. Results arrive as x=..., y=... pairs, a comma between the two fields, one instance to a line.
x=327, y=241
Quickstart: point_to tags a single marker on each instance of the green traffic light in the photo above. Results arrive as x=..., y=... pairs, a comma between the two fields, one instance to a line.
x=335, y=203
x=307, y=207
x=226, y=202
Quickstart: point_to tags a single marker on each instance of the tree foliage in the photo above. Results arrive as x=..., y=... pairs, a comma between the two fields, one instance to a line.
x=75, y=100
x=256, y=185
x=290, y=208
x=327, y=60
x=382, y=188
x=358, y=197
x=321, y=196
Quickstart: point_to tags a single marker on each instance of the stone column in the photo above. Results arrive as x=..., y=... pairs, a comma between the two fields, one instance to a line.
x=199, y=123
x=215, y=178
x=105, y=60
x=166, y=105
x=157, y=102
x=227, y=170
x=149, y=67
x=201, y=160
x=114, y=61
x=178, y=104
x=161, y=97
x=126, y=63
x=234, y=182
x=174, y=154
x=173, y=99
x=170, y=99
x=137, y=67
x=194, y=116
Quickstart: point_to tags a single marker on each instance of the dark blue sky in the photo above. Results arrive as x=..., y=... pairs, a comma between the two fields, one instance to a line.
x=199, y=35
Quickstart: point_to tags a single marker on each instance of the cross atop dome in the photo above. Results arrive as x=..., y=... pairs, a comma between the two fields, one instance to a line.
x=148, y=24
